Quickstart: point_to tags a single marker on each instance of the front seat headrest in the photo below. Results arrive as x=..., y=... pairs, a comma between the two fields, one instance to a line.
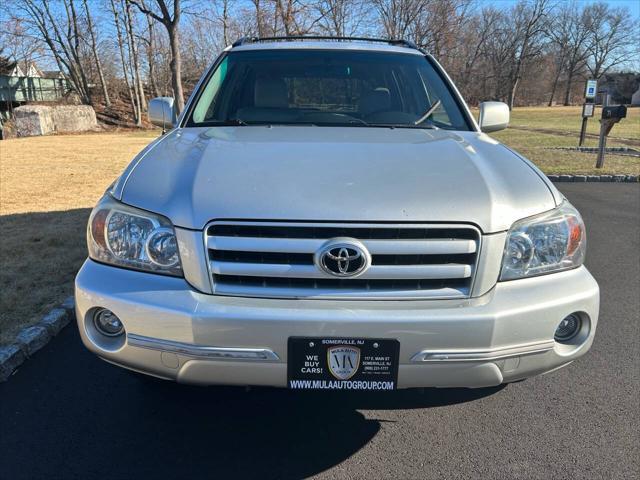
x=271, y=93
x=375, y=101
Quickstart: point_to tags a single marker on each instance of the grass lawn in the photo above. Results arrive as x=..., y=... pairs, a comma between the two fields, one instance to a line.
x=569, y=119
x=48, y=186
x=526, y=138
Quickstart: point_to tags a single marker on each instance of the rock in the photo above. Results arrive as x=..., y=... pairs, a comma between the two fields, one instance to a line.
x=593, y=178
x=618, y=178
x=11, y=357
x=74, y=118
x=33, y=120
x=32, y=339
x=55, y=320
x=605, y=178
x=580, y=178
x=566, y=178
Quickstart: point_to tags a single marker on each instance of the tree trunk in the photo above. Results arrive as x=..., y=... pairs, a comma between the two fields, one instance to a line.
x=116, y=21
x=73, y=33
x=567, y=92
x=151, y=45
x=259, y=20
x=175, y=66
x=225, y=22
x=133, y=60
x=555, y=85
x=512, y=92
x=94, y=47
x=171, y=24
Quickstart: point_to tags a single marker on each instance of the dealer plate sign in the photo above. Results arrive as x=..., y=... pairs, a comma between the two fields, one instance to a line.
x=342, y=363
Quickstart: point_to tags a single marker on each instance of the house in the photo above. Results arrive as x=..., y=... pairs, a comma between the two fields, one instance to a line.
x=620, y=87
x=25, y=82
x=53, y=74
x=26, y=69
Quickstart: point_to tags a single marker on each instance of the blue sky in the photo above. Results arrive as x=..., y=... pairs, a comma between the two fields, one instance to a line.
x=632, y=5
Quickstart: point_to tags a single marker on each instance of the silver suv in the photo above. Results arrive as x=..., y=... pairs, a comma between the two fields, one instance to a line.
x=327, y=214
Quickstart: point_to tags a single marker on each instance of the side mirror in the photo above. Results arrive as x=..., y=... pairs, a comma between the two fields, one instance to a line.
x=494, y=116
x=161, y=112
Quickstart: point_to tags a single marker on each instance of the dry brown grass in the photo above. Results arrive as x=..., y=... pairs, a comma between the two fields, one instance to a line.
x=56, y=173
x=47, y=188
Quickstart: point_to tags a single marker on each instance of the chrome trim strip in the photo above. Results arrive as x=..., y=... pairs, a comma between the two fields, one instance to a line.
x=311, y=245
x=374, y=272
x=201, y=351
x=343, y=294
x=440, y=356
x=355, y=224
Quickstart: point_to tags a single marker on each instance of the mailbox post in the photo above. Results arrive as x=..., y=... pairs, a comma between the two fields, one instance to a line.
x=610, y=116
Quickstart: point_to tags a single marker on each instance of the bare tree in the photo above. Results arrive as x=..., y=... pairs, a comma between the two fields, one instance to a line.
x=612, y=37
x=138, y=88
x=223, y=17
x=125, y=65
x=491, y=51
x=439, y=28
x=570, y=33
x=150, y=48
x=259, y=17
x=341, y=18
x=171, y=21
x=94, y=49
x=528, y=29
x=20, y=42
x=559, y=55
x=6, y=64
x=399, y=17
x=62, y=36
x=476, y=33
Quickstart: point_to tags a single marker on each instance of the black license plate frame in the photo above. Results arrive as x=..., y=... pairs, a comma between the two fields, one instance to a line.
x=346, y=363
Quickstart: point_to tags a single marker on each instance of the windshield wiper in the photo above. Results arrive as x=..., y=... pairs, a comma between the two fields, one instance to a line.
x=428, y=113
x=236, y=121
x=232, y=122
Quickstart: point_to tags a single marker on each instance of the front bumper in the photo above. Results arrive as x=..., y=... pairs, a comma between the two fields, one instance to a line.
x=177, y=333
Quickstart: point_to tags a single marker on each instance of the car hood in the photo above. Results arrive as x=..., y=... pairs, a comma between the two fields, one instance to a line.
x=195, y=175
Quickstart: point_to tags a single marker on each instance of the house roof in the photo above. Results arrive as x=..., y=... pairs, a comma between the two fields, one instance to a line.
x=52, y=74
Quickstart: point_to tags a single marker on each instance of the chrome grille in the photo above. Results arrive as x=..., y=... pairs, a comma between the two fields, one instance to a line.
x=266, y=259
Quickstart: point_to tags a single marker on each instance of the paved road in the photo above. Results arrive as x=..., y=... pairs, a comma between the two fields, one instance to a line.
x=66, y=414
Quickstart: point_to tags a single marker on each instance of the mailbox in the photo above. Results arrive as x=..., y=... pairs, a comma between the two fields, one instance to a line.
x=610, y=116
x=615, y=112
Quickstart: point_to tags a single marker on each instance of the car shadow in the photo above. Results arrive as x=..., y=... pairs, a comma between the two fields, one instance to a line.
x=70, y=413
x=267, y=432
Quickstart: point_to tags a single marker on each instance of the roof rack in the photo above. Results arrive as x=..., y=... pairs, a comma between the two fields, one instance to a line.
x=398, y=42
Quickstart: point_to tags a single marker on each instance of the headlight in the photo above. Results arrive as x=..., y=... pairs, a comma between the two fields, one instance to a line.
x=545, y=243
x=132, y=238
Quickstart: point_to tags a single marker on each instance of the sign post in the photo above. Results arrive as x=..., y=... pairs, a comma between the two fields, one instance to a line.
x=588, y=107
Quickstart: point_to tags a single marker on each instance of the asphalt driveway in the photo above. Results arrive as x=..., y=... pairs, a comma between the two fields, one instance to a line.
x=66, y=414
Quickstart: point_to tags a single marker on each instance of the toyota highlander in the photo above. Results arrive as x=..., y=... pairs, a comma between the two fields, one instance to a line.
x=327, y=214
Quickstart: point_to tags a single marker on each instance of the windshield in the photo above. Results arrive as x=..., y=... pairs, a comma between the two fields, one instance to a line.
x=326, y=88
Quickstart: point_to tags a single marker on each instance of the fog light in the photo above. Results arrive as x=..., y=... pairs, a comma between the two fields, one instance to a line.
x=568, y=328
x=107, y=323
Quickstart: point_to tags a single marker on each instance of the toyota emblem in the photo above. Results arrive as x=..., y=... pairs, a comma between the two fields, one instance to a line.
x=343, y=258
